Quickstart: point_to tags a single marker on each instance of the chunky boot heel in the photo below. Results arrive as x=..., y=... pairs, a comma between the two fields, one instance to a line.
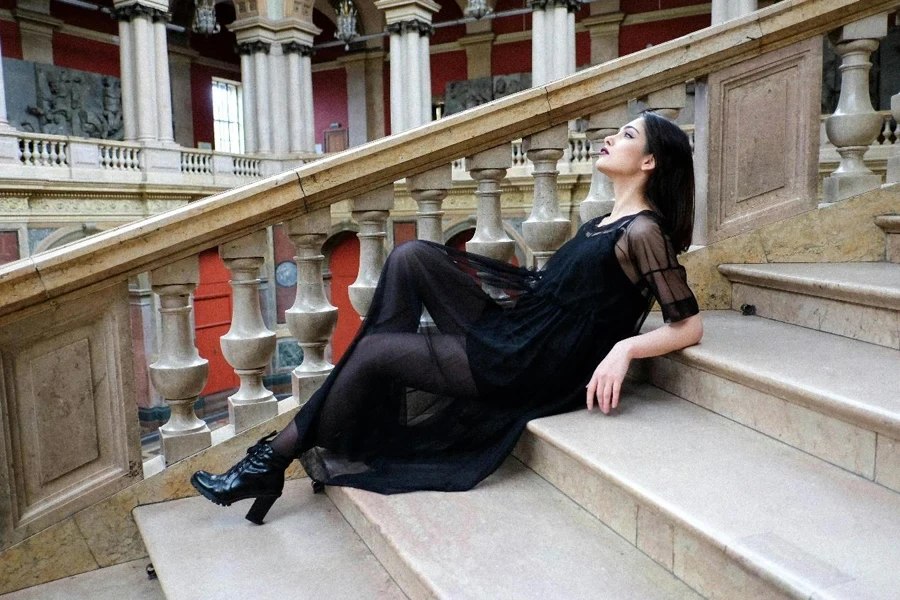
x=260, y=507
x=317, y=486
x=259, y=475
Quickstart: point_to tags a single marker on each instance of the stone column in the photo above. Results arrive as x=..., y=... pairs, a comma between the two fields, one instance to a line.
x=726, y=10
x=603, y=26
x=144, y=69
x=4, y=119
x=163, y=85
x=371, y=210
x=127, y=73
x=309, y=141
x=179, y=374
x=855, y=124
x=893, y=166
x=248, y=96
x=278, y=89
x=478, y=53
x=262, y=102
x=488, y=168
x=312, y=318
x=546, y=229
x=429, y=189
x=539, y=43
x=600, y=198
x=408, y=22
x=357, y=113
x=375, y=95
x=249, y=345
x=552, y=39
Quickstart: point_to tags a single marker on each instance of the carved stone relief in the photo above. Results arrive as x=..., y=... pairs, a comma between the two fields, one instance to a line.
x=56, y=100
x=461, y=95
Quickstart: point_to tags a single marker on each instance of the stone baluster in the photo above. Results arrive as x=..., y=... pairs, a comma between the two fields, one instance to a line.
x=429, y=189
x=488, y=168
x=668, y=102
x=371, y=210
x=312, y=318
x=600, y=199
x=249, y=344
x=855, y=124
x=179, y=373
x=545, y=230
x=893, y=166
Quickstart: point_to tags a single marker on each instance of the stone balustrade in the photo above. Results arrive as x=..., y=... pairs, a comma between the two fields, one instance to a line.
x=235, y=221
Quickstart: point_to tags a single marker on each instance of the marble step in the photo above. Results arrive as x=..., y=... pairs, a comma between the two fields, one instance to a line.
x=855, y=300
x=890, y=224
x=514, y=536
x=305, y=549
x=733, y=513
x=828, y=395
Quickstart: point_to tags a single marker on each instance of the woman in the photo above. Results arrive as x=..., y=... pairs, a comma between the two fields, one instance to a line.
x=439, y=408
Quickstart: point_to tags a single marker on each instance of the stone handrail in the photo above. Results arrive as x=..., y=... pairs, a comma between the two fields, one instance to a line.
x=116, y=254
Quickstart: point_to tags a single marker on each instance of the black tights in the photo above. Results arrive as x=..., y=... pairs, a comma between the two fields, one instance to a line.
x=391, y=350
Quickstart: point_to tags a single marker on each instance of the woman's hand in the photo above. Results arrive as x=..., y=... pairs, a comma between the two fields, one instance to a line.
x=606, y=382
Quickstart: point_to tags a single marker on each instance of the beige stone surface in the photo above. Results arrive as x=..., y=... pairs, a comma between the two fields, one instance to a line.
x=724, y=485
x=887, y=462
x=305, y=549
x=127, y=580
x=58, y=551
x=512, y=536
x=109, y=530
x=656, y=537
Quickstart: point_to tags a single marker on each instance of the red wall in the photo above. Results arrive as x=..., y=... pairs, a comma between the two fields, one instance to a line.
x=633, y=38
x=10, y=40
x=447, y=66
x=330, y=102
x=638, y=6
x=582, y=48
x=511, y=58
x=86, y=55
x=201, y=99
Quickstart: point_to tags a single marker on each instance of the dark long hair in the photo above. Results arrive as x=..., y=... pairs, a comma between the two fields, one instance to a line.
x=670, y=188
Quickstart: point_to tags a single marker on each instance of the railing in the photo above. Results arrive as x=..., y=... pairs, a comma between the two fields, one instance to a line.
x=57, y=306
x=196, y=162
x=43, y=151
x=120, y=157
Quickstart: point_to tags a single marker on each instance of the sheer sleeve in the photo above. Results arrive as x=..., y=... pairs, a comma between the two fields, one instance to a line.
x=648, y=259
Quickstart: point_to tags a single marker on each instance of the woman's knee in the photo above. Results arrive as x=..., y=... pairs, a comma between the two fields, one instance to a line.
x=411, y=252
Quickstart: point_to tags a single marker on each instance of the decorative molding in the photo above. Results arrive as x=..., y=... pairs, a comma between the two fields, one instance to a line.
x=571, y=5
x=667, y=14
x=297, y=47
x=409, y=26
x=135, y=11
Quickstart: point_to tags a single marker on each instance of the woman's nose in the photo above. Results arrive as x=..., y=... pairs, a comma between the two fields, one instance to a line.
x=608, y=140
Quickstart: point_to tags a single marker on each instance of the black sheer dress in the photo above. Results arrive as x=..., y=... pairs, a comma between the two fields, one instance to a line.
x=440, y=408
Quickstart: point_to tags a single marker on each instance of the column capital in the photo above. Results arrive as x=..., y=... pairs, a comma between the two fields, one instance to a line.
x=130, y=12
x=253, y=47
x=298, y=47
x=406, y=10
x=571, y=5
x=411, y=26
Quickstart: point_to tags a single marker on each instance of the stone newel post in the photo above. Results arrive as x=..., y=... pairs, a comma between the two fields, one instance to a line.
x=371, y=210
x=545, y=230
x=249, y=345
x=312, y=318
x=179, y=373
x=855, y=124
x=488, y=168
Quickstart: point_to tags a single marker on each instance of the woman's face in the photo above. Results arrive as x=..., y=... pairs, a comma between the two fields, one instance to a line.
x=624, y=154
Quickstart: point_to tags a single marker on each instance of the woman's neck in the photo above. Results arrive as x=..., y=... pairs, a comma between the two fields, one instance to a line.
x=629, y=197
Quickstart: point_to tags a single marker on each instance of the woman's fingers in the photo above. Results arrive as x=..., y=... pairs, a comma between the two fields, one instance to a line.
x=616, y=391
x=591, y=390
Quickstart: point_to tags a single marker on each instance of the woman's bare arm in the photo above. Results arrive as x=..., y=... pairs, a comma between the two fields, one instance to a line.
x=606, y=382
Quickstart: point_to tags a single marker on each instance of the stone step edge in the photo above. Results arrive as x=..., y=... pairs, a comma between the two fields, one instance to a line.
x=752, y=563
x=888, y=223
x=853, y=293
x=394, y=560
x=816, y=399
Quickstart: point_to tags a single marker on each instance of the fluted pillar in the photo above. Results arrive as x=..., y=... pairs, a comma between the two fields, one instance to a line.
x=726, y=10
x=546, y=229
x=600, y=198
x=371, y=210
x=165, y=131
x=893, y=166
x=4, y=119
x=127, y=73
x=263, y=102
x=179, y=374
x=249, y=345
x=429, y=189
x=409, y=26
x=488, y=168
x=248, y=95
x=312, y=318
x=278, y=89
x=855, y=124
x=552, y=39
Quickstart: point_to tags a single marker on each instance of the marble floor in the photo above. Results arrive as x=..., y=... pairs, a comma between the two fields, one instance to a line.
x=127, y=581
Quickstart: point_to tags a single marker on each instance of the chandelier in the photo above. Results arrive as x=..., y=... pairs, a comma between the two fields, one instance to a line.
x=476, y=9
x=346, y=23
x=205, y=18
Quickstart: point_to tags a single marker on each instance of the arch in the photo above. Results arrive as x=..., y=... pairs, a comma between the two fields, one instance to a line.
x=66, y=235
x=341, y=252
x=371, y=20
x=468, y=223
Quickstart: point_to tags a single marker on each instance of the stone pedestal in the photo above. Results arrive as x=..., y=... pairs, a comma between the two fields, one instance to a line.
x=489, y=168
x=546, y=229
x=371, y=210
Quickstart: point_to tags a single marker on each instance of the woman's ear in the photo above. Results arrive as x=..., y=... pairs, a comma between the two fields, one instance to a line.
x=649, y=163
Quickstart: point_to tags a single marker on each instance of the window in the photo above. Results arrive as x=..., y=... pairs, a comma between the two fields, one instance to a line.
x=227, y=116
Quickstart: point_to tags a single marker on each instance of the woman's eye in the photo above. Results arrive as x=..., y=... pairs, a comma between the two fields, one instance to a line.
x=628, y=135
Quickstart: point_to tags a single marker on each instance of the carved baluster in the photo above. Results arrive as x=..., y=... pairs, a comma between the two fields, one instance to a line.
x=599, y=200
x=312, y=318
x=545, y=230
x=179, y=373
x=371, y=210
x=249, y=344
x=893, y=166
x=488, y=168
x=429, y=189
x=855, y=124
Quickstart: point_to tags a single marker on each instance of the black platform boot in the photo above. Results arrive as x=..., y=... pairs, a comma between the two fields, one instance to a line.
x=258, y=475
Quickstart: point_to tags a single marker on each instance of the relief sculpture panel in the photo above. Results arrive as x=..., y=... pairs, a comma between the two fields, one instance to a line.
x=68, y=418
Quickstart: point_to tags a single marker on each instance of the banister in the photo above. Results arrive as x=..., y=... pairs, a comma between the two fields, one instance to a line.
x=113, y=255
